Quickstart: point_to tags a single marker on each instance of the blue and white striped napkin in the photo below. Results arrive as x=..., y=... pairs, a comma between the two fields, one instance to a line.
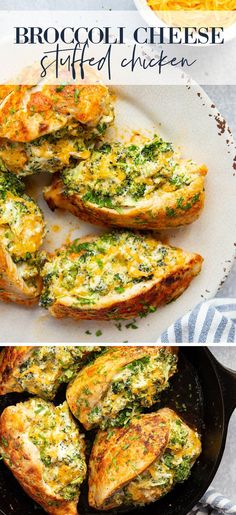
x=213, y=321
x=214, y=503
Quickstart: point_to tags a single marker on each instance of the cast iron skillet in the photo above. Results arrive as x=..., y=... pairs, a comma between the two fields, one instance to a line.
x=204, y=393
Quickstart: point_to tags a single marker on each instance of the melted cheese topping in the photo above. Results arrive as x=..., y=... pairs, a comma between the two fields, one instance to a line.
x=172, y=467
x=50, y=153
x=21, y=221
x=137, y=385
x=111, y=265
x=119, y=175
x=46, y=368
x=202, y=5
x=60, y=446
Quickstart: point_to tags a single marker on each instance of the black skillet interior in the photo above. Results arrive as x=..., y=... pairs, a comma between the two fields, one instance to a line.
x=196, y=394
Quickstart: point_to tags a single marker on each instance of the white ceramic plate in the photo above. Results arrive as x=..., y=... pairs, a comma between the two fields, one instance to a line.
x=185, y=116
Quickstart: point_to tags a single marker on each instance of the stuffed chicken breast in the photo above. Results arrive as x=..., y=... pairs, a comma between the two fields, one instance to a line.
x=19, y=280
x=21, y=235
x=120, y=383
x=43, y=448
x=138, y=186
x=139, y=463
x=45, y=128
x=41, y=370
x=115, y=275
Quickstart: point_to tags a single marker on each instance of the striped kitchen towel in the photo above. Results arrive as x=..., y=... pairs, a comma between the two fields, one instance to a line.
x=214, y=503
x=213, y=321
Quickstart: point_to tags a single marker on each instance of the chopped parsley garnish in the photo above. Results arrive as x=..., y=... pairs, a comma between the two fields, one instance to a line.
x=60, y=88
x=170, y=212
x=181, y=204
x=118, y=175
x=76, y=95
x=131, y=325
x=4, y=441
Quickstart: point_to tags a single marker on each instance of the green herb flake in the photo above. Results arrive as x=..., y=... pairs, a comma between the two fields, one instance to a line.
x=4, y=441
x=76, y=95
x=170, y=212
x=60, y=88
x=131, y=325
x=119, y=289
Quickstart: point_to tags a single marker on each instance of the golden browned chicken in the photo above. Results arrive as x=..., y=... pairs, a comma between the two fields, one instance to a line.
x=21, y=235
x=42, y=446
x=45, y=127
x=120, y=383
x=115, y=275
x=139, y=463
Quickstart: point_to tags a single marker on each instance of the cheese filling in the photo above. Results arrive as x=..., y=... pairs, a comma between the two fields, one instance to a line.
x=118, y=175
x=47, y=367
x=137, y=385
x=21, y=220
x=111, y=265
x=61, y=448
x=52, y=152
x=21, y=228
x=174, y=466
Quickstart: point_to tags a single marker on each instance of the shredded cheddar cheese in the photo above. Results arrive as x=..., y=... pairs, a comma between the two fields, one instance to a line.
x=135, y=386
x=195, y=13
x=113, y=264
x=207, y=5
x=118, y=175
x=59, y=446
x=21, y=221
x=45, y=368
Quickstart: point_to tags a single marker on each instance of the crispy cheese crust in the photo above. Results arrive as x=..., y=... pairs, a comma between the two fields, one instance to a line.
x=29, y=112
x=47, y=128
x=40, y=370
x=168, y=281
x=18, y=432
x=119, y=382
x=124, y=464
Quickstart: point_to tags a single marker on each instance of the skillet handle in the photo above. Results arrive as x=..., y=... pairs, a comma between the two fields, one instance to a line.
x=227, y=378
